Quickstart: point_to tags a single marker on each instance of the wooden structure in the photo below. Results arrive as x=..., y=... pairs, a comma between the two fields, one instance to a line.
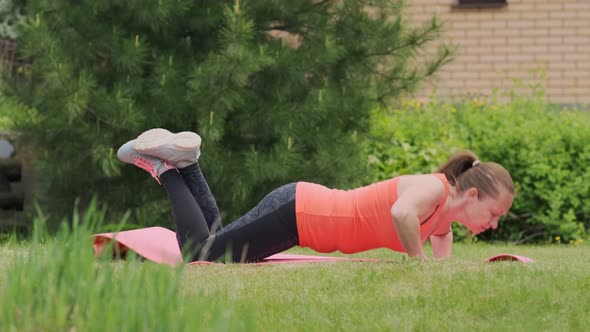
x=16, y=171
x=8, y=55
x=15, y=184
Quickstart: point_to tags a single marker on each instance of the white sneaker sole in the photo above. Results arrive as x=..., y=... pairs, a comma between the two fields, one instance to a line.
x=156, y=139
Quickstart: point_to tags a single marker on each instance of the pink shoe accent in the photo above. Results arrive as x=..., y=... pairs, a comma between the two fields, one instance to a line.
x=150, y=166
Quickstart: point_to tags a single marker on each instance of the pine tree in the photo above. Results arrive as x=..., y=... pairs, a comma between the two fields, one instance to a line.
x=280, y=91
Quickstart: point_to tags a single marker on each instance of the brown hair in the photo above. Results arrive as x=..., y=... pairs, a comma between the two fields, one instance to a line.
x=464, y=170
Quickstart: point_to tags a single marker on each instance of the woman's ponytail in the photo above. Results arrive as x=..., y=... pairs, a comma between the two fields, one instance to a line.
x=464, y=171
x=458, y=164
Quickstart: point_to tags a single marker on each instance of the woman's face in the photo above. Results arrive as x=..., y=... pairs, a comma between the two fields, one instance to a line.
x=482, y=214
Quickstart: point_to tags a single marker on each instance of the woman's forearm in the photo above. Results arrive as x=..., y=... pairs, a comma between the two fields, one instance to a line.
x=442, y=245
x=408, y=231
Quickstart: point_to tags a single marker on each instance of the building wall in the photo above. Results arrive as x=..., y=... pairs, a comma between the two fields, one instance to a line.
x=544, y=42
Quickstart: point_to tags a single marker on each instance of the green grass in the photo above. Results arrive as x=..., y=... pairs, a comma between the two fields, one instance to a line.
x=458, y=294
x=54, y=284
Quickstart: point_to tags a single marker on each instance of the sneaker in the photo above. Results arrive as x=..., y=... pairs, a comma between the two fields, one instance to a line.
x=152, y=165
x=180, y=149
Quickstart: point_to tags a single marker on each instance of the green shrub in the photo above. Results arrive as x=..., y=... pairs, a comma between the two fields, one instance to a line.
x=7, y=107
x=545, y=148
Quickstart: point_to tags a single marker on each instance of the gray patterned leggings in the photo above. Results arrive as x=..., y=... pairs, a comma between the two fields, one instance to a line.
x=267, y=229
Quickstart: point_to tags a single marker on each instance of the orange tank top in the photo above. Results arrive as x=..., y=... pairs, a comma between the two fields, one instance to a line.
x=355, y=220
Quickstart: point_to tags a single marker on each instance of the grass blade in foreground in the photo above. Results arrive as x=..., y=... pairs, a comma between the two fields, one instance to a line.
x=56, y=284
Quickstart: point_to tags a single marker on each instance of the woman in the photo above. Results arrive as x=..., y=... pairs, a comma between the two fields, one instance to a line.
x=400, y=213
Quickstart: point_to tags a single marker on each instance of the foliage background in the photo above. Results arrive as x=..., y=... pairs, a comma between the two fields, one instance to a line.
x=276, y=101
x=279, y=91
x=543, y=146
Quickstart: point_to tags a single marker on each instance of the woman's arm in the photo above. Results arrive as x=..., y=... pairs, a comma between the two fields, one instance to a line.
x=442, y=245
x=407, y=225
x=418, y=195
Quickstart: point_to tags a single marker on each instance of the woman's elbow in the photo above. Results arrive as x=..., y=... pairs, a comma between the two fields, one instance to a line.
x=401, y=214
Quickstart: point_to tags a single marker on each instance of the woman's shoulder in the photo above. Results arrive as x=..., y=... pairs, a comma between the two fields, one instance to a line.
x=436, y=182
x=427, y=177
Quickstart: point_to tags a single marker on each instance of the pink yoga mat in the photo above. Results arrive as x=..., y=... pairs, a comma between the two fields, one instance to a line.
x=156, y=244
x=510, y=257
x=159, y=245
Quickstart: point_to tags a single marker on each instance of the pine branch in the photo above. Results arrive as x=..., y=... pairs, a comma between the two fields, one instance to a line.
x=290, y=27
x=68, y=93
x=431, y=69
x=389, y=51
x=329, y=167
x=101, y=120
x=417, y=43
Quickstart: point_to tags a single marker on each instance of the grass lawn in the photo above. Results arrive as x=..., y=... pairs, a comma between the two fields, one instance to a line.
x=56, y=285
x=458, y=294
